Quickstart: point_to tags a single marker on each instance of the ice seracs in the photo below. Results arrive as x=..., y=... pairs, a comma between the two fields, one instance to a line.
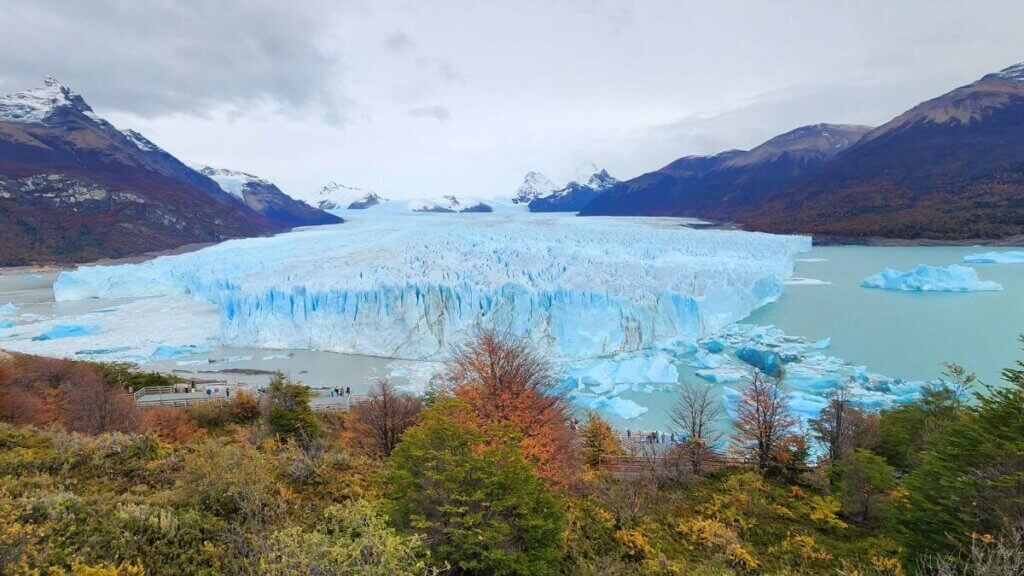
x=924, y=278
x=407, y=285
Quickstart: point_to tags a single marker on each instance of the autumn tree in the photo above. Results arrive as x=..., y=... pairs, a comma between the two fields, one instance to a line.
x=504, y=379
x=288, y=412
x=171, y=425
x=378, y=421
x=599, y=442
x=469, y=493
x=764, y=422
x=695, y=414
x=92, y=406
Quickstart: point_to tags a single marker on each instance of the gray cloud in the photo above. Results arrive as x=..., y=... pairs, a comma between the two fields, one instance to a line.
x=166, y=56
x=398, y=41
x=439, y=113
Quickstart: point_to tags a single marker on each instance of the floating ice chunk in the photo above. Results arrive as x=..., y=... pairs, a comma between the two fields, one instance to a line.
x=33, y=276
x=804, y=404
x=924, y=278
x=821, y=344
x=797, y=281
x=704, y=359
x=621, y=407
x=168, y=352
x=279, y=356
x=102, y=351
x=66, y=331
x=5, y=324
x=764, y=360
x=8, y=308
x=724, y=374
x=812, y=259
x=714, y=346
x=1011, y=257
x=654, y=368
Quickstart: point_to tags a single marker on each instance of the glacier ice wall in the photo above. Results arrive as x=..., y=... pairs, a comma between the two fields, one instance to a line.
x=409, y=285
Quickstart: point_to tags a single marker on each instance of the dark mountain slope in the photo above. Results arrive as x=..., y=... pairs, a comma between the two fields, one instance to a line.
x=75, y=188
x=950, y=168
x=717, y=186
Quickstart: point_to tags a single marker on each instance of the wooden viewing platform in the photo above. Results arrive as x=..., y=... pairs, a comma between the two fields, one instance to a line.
x=183, y=397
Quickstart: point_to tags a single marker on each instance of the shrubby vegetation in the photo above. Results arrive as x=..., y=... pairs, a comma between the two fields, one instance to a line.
x=490, y=474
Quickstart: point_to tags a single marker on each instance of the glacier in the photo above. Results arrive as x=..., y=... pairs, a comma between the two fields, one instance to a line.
x=405, y=285
x=924, y=278
x=1008, y=257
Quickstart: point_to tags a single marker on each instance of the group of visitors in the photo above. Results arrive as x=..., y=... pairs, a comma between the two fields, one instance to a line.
x=218, y=391
x=652, y=437
x=337, y=391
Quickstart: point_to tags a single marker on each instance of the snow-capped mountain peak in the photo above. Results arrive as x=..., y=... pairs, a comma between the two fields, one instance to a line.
x=335, y=196
x=1015, y=72
x=232, y=181
x=535, y=185
x=38, y=104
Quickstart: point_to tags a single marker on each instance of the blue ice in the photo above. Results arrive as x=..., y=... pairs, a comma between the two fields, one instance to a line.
x=67, y=331
x=924, y=278
x=1010, y=257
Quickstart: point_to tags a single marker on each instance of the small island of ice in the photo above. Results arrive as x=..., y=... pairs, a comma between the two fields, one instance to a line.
x=1011, y=257
x=924, y=278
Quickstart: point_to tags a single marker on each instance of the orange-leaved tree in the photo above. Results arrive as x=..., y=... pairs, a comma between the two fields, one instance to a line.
x=503, y=378
x=764, y=423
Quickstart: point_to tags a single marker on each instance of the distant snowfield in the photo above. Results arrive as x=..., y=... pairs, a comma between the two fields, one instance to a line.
x=408, y=285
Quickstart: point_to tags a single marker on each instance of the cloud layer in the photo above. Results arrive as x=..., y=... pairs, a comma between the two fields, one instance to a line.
x=424, y=98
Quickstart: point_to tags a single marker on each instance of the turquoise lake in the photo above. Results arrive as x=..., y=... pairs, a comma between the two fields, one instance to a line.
x=905, y=334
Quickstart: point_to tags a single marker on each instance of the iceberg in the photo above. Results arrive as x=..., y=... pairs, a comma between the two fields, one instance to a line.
x=657, y=369
x=621, y=407
x=766, y=361
x=8, y=308
x=924, y=278
x=1010, y=257
x=6, y=324
x=724, y=374
x=408, y=285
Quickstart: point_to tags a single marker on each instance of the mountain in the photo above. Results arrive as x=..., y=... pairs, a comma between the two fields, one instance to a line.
x=74, y=188
x=587, y=185
x=336, y=196
x=949, y=169
x=266, y=199
x=449, y=203
x=720, y=185
x=535, y=185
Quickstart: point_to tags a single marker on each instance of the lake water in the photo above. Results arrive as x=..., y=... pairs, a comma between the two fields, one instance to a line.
x=900, y=334
x=906, y=334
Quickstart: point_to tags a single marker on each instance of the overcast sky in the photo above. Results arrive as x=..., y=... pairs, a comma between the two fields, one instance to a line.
x=428, y=97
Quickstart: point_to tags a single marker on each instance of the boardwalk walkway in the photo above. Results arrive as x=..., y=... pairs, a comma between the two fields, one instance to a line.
x=183, y=396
